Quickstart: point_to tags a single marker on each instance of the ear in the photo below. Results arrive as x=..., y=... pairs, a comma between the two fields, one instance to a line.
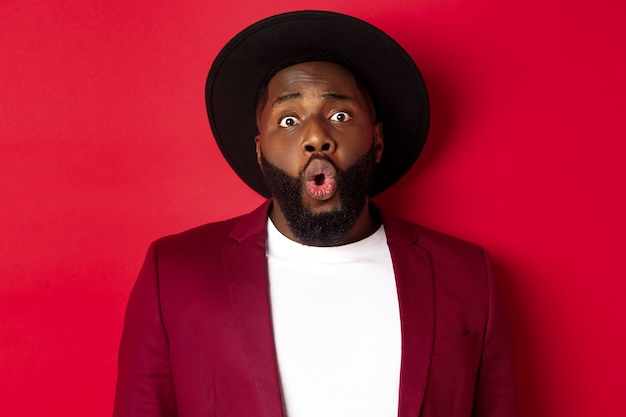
x=257, y=143
x=379, y=143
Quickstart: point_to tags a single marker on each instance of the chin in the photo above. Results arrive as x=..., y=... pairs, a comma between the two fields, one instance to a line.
x=321, y=206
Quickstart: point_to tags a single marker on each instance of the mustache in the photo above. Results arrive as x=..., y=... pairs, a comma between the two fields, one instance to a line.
x=315, y=157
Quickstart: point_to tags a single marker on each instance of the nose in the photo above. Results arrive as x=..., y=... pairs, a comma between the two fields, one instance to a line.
x=317, y=138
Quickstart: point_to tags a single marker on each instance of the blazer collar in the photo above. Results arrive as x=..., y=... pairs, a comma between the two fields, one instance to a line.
x=252, y=224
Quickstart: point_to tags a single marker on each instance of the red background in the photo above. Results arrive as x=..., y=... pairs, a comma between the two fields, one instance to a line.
x=105, y=146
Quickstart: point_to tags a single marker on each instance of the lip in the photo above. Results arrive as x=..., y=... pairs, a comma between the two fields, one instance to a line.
x=320, y=179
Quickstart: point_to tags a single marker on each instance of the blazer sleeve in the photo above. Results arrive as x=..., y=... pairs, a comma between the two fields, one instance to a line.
x=495, y=388
x=144, y=383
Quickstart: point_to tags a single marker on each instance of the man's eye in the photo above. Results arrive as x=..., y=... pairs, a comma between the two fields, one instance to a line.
x=288, y=121
x=340, y=116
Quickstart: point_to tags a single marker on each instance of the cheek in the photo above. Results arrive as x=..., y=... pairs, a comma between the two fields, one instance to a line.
x=282, y=155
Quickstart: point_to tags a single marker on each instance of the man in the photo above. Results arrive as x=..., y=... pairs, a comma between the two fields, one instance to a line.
x=316, y=303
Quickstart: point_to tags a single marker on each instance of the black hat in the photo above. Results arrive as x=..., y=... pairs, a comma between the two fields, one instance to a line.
x=390, y=74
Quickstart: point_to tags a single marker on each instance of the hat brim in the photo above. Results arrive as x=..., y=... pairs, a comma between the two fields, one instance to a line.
x=394, y=80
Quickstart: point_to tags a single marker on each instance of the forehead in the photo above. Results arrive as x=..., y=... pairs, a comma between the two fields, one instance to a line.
x=322, y=75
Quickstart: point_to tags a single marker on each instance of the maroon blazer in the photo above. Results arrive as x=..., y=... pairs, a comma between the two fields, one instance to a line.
x=198, y=340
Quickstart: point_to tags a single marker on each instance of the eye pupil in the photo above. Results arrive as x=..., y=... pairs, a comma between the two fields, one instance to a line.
x=341, y=116
x=288, y=121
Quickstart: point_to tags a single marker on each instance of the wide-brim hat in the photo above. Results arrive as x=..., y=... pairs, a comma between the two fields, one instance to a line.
x=390, y=74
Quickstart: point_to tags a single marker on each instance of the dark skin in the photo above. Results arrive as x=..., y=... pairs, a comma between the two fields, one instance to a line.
x=317, y=108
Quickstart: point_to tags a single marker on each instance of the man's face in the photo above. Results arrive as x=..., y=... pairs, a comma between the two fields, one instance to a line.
x=317, y=129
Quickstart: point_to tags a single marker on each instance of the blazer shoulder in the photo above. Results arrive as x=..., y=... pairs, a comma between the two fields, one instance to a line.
x=428, y=238
x=450, y=257
x=213, y=236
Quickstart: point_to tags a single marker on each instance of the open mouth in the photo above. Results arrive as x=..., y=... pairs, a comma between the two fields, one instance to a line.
x=320, y=179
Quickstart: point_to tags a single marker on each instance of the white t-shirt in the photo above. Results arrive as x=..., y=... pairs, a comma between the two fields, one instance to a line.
x=336, y=326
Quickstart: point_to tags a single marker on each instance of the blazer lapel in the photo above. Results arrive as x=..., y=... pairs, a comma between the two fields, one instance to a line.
x=414, y=280
x=245, y=267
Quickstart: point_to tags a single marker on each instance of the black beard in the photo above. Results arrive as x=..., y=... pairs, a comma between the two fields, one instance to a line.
x=328, y=228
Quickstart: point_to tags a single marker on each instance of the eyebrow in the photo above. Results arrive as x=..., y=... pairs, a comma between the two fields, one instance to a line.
x=293, y=96
x=286, y=97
